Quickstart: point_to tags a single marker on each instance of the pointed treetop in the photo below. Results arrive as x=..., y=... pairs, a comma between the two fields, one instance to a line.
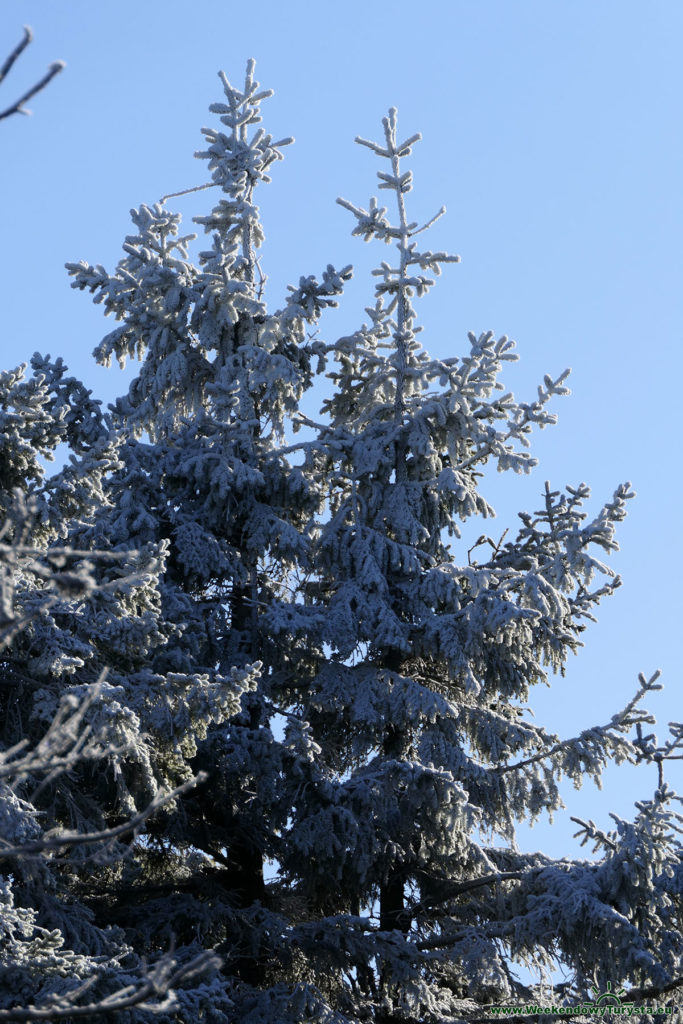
x=237, y=162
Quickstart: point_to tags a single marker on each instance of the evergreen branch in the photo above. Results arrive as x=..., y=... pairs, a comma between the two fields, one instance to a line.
x=528, y=414
x=591, y=831
x=620, y=722
x=653, y=991
x=57, y=842
x=542, y=755
x=157, y=983
x=65, y=744
x=494, y=930
x=53, y=553
x=60, y=583
x=476, y=883
x=452, y=891
x=61, y=734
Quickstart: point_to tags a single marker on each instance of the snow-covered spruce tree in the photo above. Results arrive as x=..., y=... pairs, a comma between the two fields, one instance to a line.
x=54, y=961
x=323, y=594
x=423, y=756
x=61, y=728
x=202, y=478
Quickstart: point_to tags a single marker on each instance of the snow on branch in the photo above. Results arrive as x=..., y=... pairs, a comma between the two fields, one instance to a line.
x=153, y=992
x=69, y=741
x=57, y=840
x=599, y=744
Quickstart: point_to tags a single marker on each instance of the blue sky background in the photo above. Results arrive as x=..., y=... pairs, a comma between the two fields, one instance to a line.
x=551, y=130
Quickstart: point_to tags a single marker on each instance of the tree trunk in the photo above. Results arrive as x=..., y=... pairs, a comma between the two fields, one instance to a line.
x=245, y=857
x=393, y=915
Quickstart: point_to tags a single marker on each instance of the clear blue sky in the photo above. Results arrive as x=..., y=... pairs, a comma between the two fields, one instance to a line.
x=552, y=132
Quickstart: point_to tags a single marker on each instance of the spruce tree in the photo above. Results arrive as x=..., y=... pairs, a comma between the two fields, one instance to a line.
x=427, y=756
x=68, y=743
x=290, y=638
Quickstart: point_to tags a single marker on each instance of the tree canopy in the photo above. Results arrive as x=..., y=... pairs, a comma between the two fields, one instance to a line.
x=267, y=732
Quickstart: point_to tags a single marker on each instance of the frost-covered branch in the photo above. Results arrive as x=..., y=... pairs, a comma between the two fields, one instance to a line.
x=594, y=742
x=652, y=991
x=589, y=832
x=397, y=282
x=68, y=741
x=154, y=992
x=64, y=572
x=60, y=581
x=238, y=162
x=54, y=69
x=59, y=840
x=451, y=890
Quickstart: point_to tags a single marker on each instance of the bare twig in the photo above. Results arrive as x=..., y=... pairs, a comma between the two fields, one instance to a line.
x=54, y=69
x=16, y=52
x=187, y=191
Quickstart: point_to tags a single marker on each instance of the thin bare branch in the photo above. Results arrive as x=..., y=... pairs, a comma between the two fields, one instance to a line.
x=16, y=52
x=54, y=69
x=187, y=191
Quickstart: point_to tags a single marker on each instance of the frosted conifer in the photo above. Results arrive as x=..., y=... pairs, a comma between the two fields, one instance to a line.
x=298, y=627
x=426, y=756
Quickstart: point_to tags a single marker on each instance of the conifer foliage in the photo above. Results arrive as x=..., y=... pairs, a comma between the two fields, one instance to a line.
x=265, y=725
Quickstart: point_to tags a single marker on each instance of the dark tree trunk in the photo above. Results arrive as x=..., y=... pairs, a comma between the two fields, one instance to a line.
x=247, y=887
x=393, y=915
x=245, y=855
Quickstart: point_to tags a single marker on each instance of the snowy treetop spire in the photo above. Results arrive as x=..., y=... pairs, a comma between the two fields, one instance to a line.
x=237, y=163
x=399, y=283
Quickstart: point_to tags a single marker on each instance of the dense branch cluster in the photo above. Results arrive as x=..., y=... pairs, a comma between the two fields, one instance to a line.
x=262, y=684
